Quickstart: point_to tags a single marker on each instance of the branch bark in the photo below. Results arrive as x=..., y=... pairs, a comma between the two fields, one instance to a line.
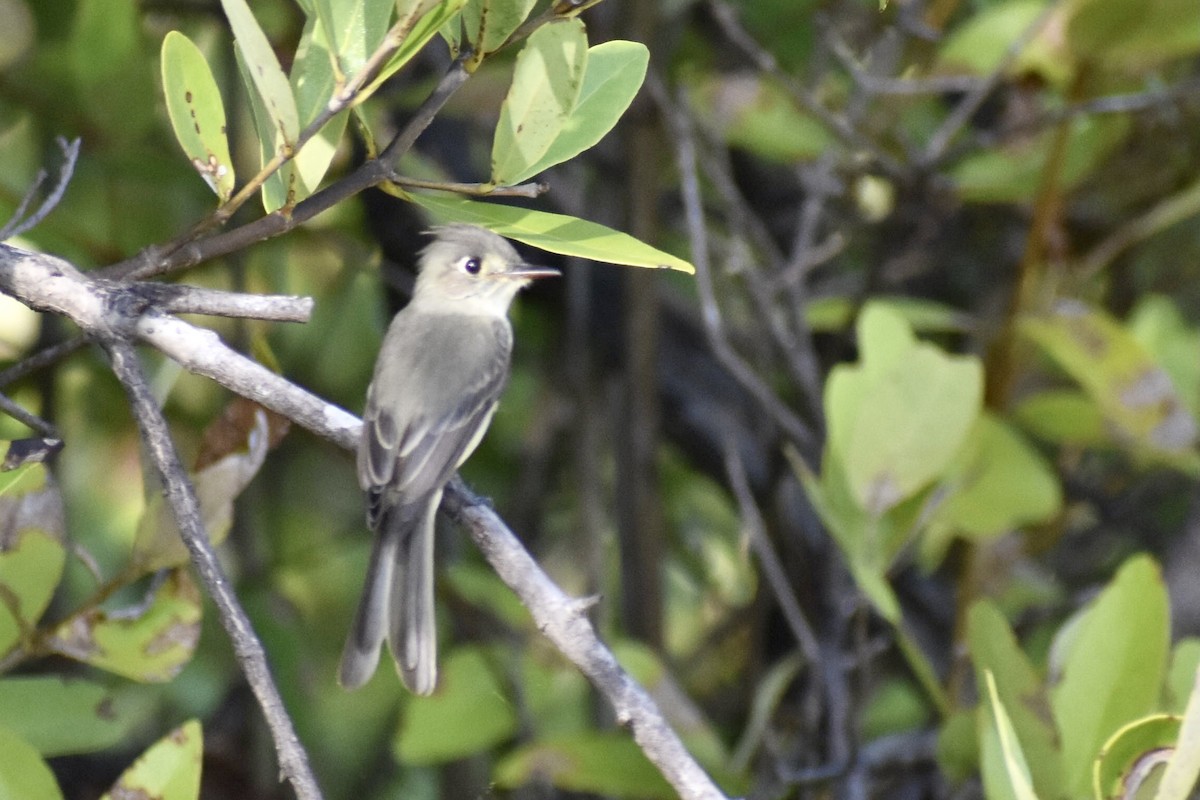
x=106, y=312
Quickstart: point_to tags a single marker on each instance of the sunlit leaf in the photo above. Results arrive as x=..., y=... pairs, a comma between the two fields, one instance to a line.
x=1018, y=688
x=545, y=88
x=995, y=483
x=1135, y=394
x=1159, y=327
x=614, y=73
x=275, y=116
x=1112, y=669
x=314, y=81
x=489, y=23
x=169, y=770
x=426, y=24
x=556, y=233
x=1183, y=768
x=23, y=773
x=468, y=713
x=898, y=417
x=283, y=187
x=151, y=644
x=1133, y=758
x=1005, y=772
x=59, y=716
x=196, y=111
x=981, y=45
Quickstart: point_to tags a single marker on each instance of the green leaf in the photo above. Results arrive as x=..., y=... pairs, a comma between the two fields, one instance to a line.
x=1132, y=34
x=283, y=187
x=1157, y=324
x=489, y=23
x=1183, y=768
x=1133, y=758
x=169, y=770
x=467, y=714
x=152, y=645
x=980, y=46
x=995, y=654
x=557, y=233
x=426, y=24
x=32, y=551
x=1134, y=393
x=1113, y=667
x=608, y=764
x=1181, y=675
x=354, y=28
x=898, y=418
x=1005, y=772
x=275, y=116
x=754, y=113
x=267, y=80
x=832, y=314
x=23, y=773
x=545, y=88
x=314, y=81
x=614, y=73
x=995, y=483
x=197, y=113
x=1013, y=173
x=61, y=716
x=1063, y=416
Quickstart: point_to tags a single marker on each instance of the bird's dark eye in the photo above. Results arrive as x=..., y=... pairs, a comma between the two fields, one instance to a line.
x=472, y=265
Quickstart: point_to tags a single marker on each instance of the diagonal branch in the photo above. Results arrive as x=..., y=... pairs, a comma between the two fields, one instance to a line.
x=293, y=761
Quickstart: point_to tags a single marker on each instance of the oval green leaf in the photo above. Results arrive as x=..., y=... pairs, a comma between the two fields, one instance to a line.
x=151, y=646
x=60, y=716
x=1113, y=667
x=467, y=714
x=614, y=74
x=169, y=770
x=898, y=418
x=599, y=763
x=267, y=80
x=545, y=88
x=197, y=113
x=1134, y=755
x=1005, y=771
x=557, y=233
x=32, y=553
x=23, y=773
x=489, y=23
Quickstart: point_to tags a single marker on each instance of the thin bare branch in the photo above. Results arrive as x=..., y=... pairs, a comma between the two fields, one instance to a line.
x=293, y=761
x=27, y=418
x=16, y=225
x=531, y=189
x=180, y=299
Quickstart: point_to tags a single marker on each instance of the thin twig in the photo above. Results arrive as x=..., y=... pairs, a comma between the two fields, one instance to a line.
x=1163, y=214
x=772, y=568
x=531, y=189
x=27, y=418
x=42, y=358
x=970, y=103
x=16, y=226
x=685, y=154
x=293, y=761
x=180, y=255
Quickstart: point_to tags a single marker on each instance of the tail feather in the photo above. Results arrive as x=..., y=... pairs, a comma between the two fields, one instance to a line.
x=361, y=652
x=412, y=627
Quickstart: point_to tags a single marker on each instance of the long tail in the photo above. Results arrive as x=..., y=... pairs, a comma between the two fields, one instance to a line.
x=412, y=632
x=397, y=602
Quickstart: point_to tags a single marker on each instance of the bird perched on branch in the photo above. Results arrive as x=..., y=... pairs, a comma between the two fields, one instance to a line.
x=440, y=371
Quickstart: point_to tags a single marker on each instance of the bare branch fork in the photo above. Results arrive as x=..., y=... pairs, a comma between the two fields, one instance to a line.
x=116, y=315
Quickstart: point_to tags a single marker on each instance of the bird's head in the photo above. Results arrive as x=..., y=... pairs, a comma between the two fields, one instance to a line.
x=470, y=266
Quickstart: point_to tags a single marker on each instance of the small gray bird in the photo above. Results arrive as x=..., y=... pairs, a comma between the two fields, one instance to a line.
x=440, y=371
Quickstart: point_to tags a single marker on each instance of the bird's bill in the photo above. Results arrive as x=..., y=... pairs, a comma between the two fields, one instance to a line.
x=525, y=272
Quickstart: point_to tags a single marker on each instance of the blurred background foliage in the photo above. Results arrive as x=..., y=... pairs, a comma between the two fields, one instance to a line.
x=933, y=389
